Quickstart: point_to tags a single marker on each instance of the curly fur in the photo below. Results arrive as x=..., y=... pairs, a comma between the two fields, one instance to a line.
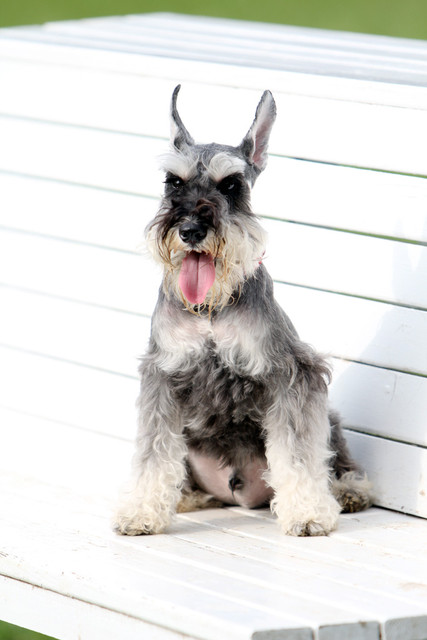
x=227, y=387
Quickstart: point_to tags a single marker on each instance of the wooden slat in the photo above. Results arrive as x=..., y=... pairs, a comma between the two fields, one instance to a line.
x=19, y=45
x=78, y=155
x=297, y=132
x=128, y=109
x=396, y=470
x=78, y=183
x=216, y=41
x=347, y=263
x=386, y=270
x=369, y=398
x=370, y=146
x=269, y=581
x=68, y=393
x=59, y=616
x=386, y=335
x=98, y=276
x=362, y=330
x=338, y=197
x=72, y=212
x=380, y=401
x=343, y=198
x=94, y=336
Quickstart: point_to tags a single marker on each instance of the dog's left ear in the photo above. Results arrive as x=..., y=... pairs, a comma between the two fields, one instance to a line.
x=254, y=144
x=179, y=134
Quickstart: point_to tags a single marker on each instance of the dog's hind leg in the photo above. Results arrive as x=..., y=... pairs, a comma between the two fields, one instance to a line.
x=150, y=498
x=196, y=499
x=193, y=498
x=244, y=486
x=353, y=491
x=350, y=485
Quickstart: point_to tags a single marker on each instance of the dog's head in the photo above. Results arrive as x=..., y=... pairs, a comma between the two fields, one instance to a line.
x=205, y=233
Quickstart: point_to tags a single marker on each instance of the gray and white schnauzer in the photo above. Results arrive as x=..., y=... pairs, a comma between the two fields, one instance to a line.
x=233, y=406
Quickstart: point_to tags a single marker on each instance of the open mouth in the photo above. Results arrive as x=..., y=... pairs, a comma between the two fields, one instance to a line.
x=197, y=275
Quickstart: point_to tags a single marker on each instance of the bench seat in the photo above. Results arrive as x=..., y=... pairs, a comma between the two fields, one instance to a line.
x=83, y=116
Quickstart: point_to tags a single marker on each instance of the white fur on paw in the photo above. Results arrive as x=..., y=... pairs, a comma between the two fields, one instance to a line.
x=137, y=524
x=311, y=528
x=318, y=520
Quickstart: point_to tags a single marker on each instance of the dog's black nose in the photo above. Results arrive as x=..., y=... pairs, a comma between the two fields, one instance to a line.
x=193, y=232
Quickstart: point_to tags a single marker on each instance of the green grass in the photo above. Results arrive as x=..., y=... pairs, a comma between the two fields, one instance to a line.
x=388, y=17
x=10, y=632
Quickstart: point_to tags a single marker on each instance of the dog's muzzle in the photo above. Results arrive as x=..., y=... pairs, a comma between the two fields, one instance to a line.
x=193, y=232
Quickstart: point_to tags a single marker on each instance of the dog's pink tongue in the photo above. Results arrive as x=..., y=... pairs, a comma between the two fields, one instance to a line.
x=196, y=277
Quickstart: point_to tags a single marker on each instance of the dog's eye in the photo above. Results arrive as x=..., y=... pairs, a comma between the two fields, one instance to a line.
x=174, y=181
x=229, y=186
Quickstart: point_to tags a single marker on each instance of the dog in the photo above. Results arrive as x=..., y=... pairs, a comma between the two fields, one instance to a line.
x=233, y=407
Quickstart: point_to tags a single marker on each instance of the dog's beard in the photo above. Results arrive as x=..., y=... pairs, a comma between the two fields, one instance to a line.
x=229, y=257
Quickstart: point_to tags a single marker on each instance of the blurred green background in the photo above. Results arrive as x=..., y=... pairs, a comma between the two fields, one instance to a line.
x=10, y=632
x=402, y=18
x=405, y=18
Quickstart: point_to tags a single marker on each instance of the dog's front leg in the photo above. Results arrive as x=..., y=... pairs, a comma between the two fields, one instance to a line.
x=150, y=498
x=298, y=458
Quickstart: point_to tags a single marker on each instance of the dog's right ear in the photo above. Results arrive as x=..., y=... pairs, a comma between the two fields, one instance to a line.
x=179, y=134
x=254, y=144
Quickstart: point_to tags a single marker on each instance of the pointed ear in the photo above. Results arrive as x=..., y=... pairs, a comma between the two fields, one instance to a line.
x=254, y=144
x=179, y=134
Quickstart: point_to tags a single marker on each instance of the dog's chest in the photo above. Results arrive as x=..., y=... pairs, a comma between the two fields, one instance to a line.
x=228, y=342
x=214, y=366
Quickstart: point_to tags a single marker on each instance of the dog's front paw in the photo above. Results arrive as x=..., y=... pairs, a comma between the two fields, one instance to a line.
x=137, y=522
x=318, y=520
x=311, y=528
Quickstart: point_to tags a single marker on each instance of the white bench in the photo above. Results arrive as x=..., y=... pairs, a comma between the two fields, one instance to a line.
x=83, y=114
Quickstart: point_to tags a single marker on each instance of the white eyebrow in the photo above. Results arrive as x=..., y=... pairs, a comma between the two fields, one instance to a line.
x=224, y=164
x=183, y=165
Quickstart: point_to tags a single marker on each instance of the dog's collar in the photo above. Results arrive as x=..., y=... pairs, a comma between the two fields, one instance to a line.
x=259, y=263
x=260, y=259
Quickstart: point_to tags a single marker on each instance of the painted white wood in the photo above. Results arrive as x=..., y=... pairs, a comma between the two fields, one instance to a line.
x=68, y=393
x=67, y=618
x=81, y=214
x=78, y=183
x=129, y=110
x=393, y=271
x=310, y=128
x=363, y=330
x=78, y=155
x=351, y=328
x=370, y=399
x=345, y=327
x=113, y=279
x=413, y=628
x=24, y=46
x=369, y=267
x=380, y=401
x=368, y=145
x=215, y=570
x=340, y=197
x=101, y=338
x=216, y=40
x=347, y=263
x=398, y=471
x=378, y=531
